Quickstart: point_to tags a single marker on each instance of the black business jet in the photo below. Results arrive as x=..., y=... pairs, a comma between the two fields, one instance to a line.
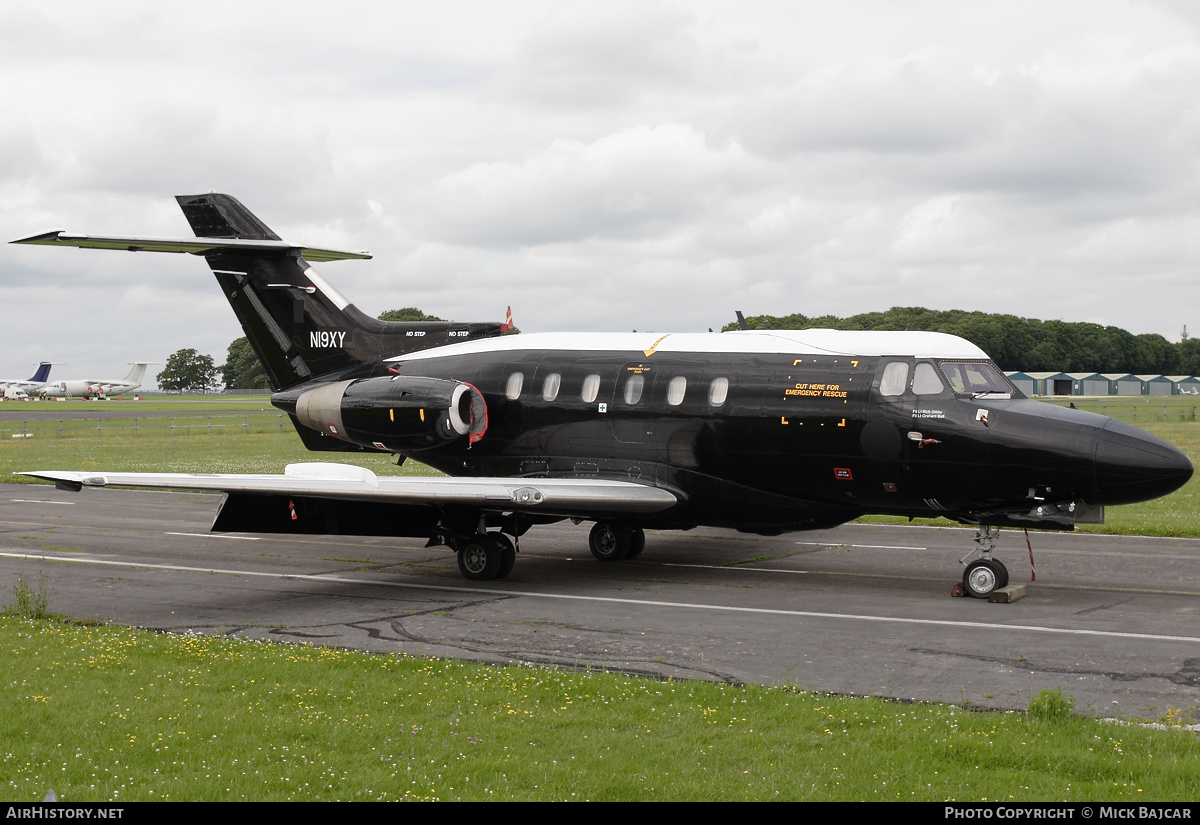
x=760, y=431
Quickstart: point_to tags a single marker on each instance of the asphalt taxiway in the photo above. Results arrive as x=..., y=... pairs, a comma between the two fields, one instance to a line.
x=1114, y=621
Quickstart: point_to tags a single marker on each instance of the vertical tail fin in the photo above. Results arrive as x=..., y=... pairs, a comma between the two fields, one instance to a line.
x=137, y=373
x=298, y=324
x=43, y=373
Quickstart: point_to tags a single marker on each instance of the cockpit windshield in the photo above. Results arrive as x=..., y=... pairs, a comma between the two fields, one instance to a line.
x=975, y=378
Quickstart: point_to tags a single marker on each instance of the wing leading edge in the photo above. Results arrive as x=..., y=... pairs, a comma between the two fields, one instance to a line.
x=552, y=496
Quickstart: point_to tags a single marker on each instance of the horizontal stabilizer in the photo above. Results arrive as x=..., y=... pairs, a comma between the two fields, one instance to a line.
x=193, y=246
x=557, y=496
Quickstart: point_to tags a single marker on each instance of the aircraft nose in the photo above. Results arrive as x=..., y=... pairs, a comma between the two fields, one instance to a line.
x=1132, y=465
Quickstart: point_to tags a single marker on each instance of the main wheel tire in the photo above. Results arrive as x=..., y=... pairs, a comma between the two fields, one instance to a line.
x=480, y=559
x=608, y=541
x=508, y=554
x=981, y=578
x=637, y=543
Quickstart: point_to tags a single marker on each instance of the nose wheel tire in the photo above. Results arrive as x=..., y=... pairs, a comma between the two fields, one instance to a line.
x=984, y=577
x=608, y=542
x=1001, y=573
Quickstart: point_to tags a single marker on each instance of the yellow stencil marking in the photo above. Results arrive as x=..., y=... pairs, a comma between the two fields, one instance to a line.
x=654, y=346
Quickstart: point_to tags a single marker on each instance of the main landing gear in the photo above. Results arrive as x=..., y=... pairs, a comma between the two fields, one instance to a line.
x=487, y=556
x=986, y=575
x=610, y=541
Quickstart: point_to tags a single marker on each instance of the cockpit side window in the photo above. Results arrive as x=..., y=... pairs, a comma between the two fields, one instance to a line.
x=895, y=379
x=926, y=380
x=975, y=378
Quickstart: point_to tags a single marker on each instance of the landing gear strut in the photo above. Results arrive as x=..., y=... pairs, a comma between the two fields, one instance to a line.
x=986, y=575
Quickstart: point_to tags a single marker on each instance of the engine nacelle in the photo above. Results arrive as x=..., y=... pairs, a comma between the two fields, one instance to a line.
x=403, y=413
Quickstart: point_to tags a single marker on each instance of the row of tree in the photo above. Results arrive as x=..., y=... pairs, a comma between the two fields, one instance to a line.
x=1022, y=343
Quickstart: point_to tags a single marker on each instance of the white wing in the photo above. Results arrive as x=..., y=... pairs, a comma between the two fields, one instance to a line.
x=553, y=496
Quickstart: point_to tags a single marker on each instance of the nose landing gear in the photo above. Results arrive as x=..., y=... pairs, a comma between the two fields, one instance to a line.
x=986, y=575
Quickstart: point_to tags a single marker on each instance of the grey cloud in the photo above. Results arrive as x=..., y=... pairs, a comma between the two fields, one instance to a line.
x=881, y=107
x=588, y=55
x=633, y=183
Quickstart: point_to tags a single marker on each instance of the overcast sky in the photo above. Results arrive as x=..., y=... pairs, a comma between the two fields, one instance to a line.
x=603, y=166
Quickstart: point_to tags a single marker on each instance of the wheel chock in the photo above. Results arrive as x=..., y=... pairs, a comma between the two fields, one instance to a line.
x=1007, y=594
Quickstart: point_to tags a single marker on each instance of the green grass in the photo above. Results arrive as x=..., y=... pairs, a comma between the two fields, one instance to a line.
x=258, y=440
x=105, y=713
x=28, y=601
x=218, y=453
x=151, y=403
x=1140, y=410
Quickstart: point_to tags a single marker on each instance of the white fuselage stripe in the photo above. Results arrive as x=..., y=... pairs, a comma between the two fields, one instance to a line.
x=829, y=342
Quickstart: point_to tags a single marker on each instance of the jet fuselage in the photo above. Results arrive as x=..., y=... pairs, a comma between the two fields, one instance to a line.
x=756, y=431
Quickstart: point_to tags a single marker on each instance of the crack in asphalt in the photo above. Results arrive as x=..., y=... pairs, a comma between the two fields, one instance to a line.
x=1103, y=606
x=1188, y=675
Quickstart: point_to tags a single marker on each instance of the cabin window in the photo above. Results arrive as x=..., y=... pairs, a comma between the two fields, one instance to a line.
x=550, y=386
x=675, y=390
x=895, y=379
x=512, y=389
x=633, y=389
x=591, y=388
x=926, y=380
x=718, y=390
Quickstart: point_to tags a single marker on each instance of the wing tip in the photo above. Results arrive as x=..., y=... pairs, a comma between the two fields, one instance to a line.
x=42, y=237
